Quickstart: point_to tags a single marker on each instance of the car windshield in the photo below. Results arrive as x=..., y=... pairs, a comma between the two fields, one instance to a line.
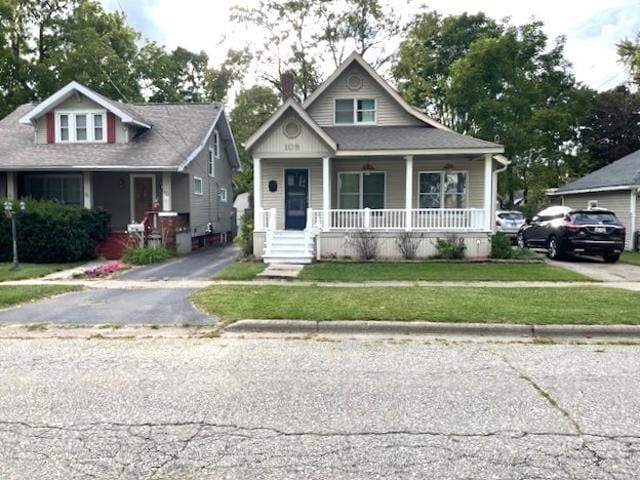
x=594, y=218
x=511, y=216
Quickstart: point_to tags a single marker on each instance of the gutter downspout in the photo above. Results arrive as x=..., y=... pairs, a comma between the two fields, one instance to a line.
x=632, y=207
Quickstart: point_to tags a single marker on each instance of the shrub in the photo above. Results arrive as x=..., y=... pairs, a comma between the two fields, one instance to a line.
x=245, y=236
x=501, y=246
x=147, y=256
x=49, y=232
x=452, y=248
x=366, y=244
x=408, y=244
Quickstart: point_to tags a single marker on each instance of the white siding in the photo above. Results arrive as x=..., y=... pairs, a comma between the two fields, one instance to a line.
x=619, y=202
x=388, y=111
x=276, y=144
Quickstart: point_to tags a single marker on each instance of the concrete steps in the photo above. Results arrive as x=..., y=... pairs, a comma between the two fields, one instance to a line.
x=290, y=247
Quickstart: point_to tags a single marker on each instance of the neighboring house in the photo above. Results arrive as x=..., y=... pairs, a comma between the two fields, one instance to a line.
x=614, y=187
x=241, y=204
x=81, y=148
x=356, y=157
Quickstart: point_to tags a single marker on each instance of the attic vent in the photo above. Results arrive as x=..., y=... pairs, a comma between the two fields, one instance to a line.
x=354, y=82
x=292, y=129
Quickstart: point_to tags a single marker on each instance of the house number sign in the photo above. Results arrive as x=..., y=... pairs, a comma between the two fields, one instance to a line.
x=292, y=147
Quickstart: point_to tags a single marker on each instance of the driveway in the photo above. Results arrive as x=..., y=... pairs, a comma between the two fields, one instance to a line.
x=201, y=264
x=599, y=270
x=232, y=408
x=132, y=306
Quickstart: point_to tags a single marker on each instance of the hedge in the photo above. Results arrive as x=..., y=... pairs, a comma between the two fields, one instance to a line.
x=49, y=232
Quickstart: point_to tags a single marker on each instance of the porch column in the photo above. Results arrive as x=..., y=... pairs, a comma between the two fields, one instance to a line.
x=12, y=191
x=326, y=192
x=408, y=201
x=257, y=194
x=166, y=192
x=87, y=189
x=488, y=191
x=632, y=208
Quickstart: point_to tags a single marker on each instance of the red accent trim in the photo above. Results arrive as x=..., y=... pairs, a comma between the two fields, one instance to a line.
x=51, y=128
x=111, y=128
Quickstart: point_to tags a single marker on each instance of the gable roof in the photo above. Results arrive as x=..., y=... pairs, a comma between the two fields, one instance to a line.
x=178, y=131
x=290, y=104
x=126, y=114
x=357, y=58
x=619, y=175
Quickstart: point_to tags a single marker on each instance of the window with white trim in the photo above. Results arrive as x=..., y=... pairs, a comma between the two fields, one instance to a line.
x=444, y=189
x=63, y=188
x=211, y=163
x=592, y=204
x=223, y=194
x=358, y=190
x=216, y=144
x=198, y=186
x=80, y=127
x=349, y=111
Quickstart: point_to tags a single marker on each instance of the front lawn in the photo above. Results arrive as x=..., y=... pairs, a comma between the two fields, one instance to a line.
x=240, y=271
x=30, y=270
x=14, y=294
x=630, y=257
x=590, y=305
x=435, y=271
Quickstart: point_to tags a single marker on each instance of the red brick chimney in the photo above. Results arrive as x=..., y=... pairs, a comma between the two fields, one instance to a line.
x=287, y=80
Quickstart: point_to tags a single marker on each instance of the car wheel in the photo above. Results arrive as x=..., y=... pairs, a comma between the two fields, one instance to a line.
x=522, y=243
x=611, y=257
x=553, y=250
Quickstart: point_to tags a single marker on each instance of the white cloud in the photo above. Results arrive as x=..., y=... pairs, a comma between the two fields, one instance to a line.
x=592, y=27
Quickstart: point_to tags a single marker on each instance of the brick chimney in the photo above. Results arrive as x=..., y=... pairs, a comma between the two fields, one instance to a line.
x=287, y=80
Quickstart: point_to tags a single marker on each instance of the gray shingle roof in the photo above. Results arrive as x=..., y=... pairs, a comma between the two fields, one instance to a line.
x=178, y=129
x=623, y=172
x=401, y=138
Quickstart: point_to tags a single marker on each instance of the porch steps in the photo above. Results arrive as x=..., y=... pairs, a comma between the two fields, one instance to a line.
x=289, y=247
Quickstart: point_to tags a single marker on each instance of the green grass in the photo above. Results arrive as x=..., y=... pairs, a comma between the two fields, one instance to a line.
x=630, y=257
x=434, y=271
x=13, y=295
x=31, y=270
x=240, y=271
x=518, y=305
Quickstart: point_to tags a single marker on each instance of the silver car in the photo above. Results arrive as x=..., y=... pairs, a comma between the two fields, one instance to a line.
x=509, y=222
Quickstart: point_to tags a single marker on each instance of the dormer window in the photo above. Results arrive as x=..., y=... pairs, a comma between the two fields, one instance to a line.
x=350, y=111
x=80, y=127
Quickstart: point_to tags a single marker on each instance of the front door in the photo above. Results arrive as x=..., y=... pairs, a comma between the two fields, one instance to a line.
x=142, y=197
x=296, y=198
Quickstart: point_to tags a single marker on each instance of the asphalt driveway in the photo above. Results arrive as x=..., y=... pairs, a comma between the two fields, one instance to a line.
x=202, y=264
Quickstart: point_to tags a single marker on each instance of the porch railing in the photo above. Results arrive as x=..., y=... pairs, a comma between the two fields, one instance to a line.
x=422, y=219
x=265, y=219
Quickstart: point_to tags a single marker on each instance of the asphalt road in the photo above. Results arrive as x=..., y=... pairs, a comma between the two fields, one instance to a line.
x=237, y=408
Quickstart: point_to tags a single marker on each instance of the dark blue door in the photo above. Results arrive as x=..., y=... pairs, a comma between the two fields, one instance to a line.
x=296, y=198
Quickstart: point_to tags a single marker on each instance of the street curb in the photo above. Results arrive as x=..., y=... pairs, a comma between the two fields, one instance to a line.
x=430, y=328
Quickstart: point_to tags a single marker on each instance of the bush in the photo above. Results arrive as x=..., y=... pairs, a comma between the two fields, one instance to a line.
x=245, y=236
x=49, y=232
x=501, y=246
x=450, y=248
x=147, y=256
x=366, y=244
x=408, y=244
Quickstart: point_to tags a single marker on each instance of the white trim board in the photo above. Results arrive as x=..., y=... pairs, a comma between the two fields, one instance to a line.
x=591, y=190
x=65, y=92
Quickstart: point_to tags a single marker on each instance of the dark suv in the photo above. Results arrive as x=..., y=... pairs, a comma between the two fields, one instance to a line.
x=563, y=230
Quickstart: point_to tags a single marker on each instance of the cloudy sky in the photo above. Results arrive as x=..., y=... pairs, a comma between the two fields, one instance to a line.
x=592, y=27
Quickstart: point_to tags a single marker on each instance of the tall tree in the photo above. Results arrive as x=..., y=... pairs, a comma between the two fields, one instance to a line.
x=253, y=106
x=629, y=52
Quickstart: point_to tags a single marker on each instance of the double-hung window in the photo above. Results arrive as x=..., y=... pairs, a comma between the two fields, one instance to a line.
x=216, y=144
x=223, y=194
x=198, y=186
x=358, y=190
x=212, y=163
x=78, y=127
x=349, y=111
x=446, y=189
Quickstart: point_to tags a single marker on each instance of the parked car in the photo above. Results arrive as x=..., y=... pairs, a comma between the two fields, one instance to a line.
x=563, y=230
x=509, y=222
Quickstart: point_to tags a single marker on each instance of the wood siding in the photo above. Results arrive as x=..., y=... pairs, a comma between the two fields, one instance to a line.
x=276, y=144
x=3, y=185
x=618, y=201
x=389, y=113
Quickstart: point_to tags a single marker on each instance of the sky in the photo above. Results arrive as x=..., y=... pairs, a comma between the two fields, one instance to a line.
x=592, y=27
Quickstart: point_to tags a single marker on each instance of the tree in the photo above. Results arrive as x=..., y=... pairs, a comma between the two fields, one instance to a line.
x=613, y=129
x=253, y=107
x=501, y=83
x=629, y=52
